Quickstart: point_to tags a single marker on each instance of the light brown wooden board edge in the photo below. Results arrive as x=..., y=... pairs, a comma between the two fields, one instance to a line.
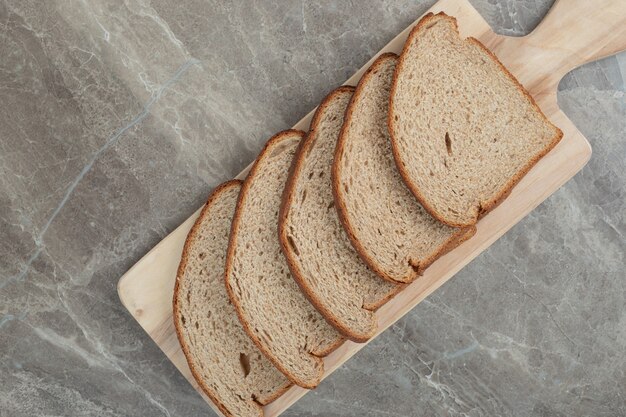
x=546, y=177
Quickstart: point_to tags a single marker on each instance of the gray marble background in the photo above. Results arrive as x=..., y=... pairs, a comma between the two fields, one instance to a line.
x=117, y=118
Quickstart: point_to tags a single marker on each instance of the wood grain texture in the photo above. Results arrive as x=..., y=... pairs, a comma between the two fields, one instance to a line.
x=573, y=33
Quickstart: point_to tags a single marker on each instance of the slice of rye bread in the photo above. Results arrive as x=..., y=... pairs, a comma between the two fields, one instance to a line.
x=391, y=231
x=271, y=307
x=318, y=251
x=227, y=365
x=463, y=130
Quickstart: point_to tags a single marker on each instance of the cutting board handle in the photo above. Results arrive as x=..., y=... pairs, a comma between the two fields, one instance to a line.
x=580, y=31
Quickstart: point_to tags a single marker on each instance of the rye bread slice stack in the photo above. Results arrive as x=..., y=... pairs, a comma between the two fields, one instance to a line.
x=274, y=312
x=228, y=367
x=463, y=130
x=320, y=256
x=391, y=176
x=392, y=232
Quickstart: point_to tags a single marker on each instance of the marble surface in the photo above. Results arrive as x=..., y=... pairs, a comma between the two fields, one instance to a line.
x=118, y=117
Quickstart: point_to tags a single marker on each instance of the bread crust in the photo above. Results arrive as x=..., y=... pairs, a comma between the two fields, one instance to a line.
x=274, y=395
x=274, y=140
x=417, y=269
x=176, y=308
x=288, y=196
x=378, y=304
x=483, y=207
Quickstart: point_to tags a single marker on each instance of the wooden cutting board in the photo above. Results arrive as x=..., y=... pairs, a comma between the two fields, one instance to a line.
x=573, y=33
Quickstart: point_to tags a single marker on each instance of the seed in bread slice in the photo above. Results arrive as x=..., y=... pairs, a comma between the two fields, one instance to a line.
x=271, y=307
x=319, y=254
x=227, y=365
x=391, y=231
x=464, y=131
